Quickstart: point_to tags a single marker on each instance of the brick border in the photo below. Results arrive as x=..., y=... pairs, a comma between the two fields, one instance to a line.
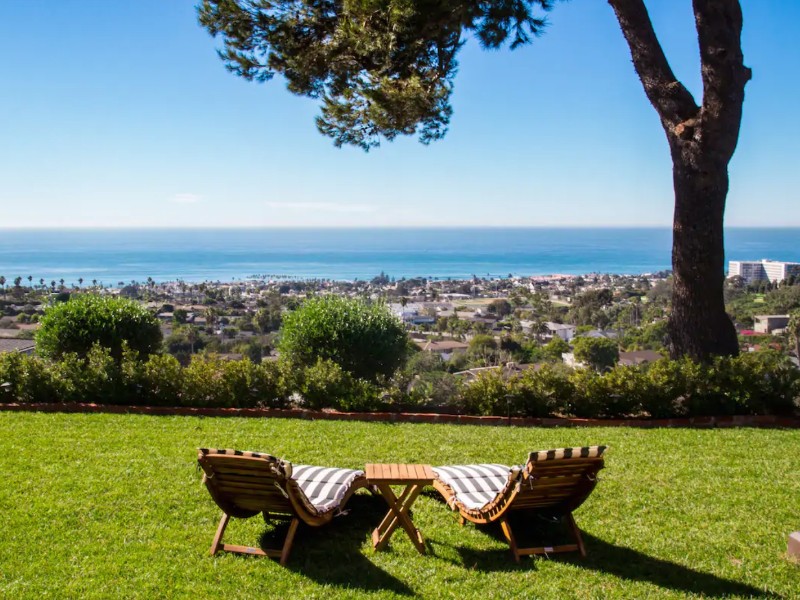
x=759, y=421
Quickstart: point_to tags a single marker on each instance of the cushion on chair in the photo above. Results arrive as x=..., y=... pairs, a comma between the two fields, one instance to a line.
x=475, y=486
x=559, y=453
x=325, y=487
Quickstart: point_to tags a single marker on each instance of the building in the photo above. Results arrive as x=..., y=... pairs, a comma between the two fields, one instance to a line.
x=564, y=331
x=17, y=345
x=770, y=323
x=763, y=270
x=639, y=357
x=445, y=348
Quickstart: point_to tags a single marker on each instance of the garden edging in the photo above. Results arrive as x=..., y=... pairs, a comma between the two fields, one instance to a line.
x=759, y=421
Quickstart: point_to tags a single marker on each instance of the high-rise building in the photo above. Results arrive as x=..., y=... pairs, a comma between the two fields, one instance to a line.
x=764, y=269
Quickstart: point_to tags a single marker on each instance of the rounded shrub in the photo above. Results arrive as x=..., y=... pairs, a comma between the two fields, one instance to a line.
x=364, y=339
x=77, y=325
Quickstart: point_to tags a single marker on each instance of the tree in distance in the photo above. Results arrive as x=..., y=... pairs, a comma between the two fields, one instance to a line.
x=385, y=68
x=599, y=353
x=87, y=319
x=364, y=339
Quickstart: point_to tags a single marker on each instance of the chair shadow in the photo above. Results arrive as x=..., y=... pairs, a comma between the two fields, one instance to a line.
x=333, y=555
x=619, y=561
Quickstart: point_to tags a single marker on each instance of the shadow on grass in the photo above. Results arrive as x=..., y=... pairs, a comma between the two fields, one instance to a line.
x=602, y=556
x=332, y=554
x=629, y=564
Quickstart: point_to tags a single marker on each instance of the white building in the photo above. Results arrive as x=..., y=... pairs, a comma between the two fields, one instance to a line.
x=764, y=269
x=565, y=332
x=770, y=323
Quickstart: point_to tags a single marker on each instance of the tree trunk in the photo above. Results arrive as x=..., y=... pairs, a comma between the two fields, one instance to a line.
x=698, y=325
x=702, y=140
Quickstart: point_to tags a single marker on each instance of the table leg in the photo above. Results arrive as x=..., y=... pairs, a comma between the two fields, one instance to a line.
x=398, y=515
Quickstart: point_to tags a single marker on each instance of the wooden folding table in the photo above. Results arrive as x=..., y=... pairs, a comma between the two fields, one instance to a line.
x=414, y=477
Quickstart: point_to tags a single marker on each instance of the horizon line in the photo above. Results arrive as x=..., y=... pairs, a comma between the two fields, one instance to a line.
x=346, y=227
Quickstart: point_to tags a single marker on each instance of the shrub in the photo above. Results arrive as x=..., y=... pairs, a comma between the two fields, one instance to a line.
x=211, y=381
x=77, y=325
x=488, y=394
x=326, y=385
x=542, y=393
x=436, y=389
x=599, y=353
x=365, y=340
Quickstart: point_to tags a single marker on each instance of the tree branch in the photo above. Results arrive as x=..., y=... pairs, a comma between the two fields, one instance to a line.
x=719, y=30
x=673, y=102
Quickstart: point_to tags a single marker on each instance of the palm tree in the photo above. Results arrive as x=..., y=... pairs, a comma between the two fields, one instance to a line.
x=3, y=284
x=80, y=281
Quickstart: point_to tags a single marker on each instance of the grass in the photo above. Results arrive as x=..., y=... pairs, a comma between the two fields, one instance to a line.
x=98, y=506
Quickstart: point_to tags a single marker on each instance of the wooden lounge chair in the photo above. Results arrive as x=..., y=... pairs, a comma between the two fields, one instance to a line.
x=552, y=483
x=244, y=484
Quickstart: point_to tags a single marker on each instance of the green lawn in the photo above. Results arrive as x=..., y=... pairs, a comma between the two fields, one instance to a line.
x=112, y=506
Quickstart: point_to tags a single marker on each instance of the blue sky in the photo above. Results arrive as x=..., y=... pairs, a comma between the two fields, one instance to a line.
x=120, y=114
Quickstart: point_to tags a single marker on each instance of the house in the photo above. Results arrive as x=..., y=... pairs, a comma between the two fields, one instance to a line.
x=17, y=345
x=770, y=323
x=445, y=348
x=508, y=370
x=639, y=357
x=599, y=333
x=565, y=332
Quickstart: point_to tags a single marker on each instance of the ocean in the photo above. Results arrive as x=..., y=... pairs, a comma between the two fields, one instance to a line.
x=122, y=255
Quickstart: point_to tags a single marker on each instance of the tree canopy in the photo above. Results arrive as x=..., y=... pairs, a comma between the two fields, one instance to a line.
x=381, y=68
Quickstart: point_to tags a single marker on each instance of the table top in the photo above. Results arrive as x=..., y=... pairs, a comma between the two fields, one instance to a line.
x=399, y=473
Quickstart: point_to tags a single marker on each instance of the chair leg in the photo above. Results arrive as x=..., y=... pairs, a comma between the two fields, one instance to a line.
x=509, y=535
x=216, y=545
x=577, y=534
x=287, y=544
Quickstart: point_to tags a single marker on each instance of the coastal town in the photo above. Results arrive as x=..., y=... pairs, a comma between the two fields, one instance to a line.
x=508, y=323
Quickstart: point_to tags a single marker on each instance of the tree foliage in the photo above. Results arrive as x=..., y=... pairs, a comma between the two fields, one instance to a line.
x=364, y=339
x=381, y=68
x=87, y=319
x=599, y=353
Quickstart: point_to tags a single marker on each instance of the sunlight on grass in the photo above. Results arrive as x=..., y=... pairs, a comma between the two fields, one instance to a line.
x=112, y=506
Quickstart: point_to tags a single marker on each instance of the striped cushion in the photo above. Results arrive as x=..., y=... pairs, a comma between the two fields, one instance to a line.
x=475, y=486
x=584, y=452
x=325, y=487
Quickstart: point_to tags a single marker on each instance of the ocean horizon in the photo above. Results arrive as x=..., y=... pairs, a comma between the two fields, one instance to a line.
x=118, y=255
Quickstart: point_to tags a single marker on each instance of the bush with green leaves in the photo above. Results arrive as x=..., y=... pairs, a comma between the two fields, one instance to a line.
x=542, y=393
x=212, y=381
x=363, y=338
x=599, y=353
x=752, y=383
x=84, y=320
x=327, y=385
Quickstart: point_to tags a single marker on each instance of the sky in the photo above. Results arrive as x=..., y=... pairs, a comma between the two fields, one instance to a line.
x=119, y=114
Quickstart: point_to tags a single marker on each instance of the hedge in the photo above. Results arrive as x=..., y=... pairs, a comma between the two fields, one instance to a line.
x=762, y=383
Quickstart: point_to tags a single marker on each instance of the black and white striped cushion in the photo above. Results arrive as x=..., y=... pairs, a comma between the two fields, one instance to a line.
x=559, y=453
x=325, y=487
x=475, y=485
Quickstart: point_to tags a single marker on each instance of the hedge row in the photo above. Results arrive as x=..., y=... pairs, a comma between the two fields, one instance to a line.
x=756, y=383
